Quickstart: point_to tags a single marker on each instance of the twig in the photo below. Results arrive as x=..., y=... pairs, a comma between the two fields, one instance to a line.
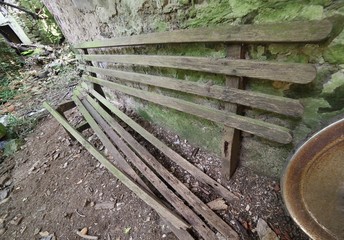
x=81, y=215
x=86, y=236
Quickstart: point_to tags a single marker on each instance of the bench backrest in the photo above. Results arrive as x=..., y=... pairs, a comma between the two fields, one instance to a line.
x=295, y=32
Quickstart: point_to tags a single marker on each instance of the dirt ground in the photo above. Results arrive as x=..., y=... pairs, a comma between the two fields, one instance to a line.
x=57, y=188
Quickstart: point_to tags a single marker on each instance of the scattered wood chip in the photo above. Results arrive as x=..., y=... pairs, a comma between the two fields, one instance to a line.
x=44, y=234
x=264, y=231
x=56, y=156
x=37, y=230
x=127, y=230
x=84, y=231
x=80, y=214
x=105, y=205
x=16, y=220
x=217, y=204
x=86, y=236
x=4, y=178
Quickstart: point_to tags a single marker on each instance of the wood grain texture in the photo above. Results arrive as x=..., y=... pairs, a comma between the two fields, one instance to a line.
x=196, y=172
x=127, y=181
x=253, y=126
x=231, y=141
x=119, y=161
x=195, y=203
x=306, y=31
x=171, y=198
x=281, y=105
x=276, y=71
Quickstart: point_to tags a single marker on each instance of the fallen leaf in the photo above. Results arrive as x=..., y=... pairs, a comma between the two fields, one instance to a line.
x=127, y=230
x=217, y=204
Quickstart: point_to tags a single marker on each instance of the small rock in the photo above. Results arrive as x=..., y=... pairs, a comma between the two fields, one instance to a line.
x=44, y=234
x=22, y=230
x=4, y=178
x=16, y=220
x=2, y=231
x=264, y=231
x=84, y=231
x=37, y=230
x=56, y=156
x=4, y=193
x=105, y=205
x=217, y=204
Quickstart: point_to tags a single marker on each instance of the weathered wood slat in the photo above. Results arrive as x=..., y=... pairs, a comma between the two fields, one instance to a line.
x=178, y=186
x=127, y=181
x=253, y=126
x=196, y=172
x=310, y=31
x=119, y=160
x=177, y=203
x=276, y=71
x=258, y=100
x=231, y=138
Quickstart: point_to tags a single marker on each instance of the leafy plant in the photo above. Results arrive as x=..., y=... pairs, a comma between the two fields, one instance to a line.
x=46, y=28
x=20, y=127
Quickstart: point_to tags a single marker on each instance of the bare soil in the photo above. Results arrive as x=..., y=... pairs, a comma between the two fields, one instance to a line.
x=57, y=186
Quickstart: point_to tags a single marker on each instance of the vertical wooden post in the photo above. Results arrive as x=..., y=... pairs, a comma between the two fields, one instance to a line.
x=231, y=137
x=96, y=86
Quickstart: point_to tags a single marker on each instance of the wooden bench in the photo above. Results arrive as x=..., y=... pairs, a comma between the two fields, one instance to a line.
x=180, y=207
x=233, y=67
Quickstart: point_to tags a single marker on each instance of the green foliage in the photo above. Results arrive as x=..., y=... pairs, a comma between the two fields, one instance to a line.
x=20, y=127
x=9, y=66
x=45, y=29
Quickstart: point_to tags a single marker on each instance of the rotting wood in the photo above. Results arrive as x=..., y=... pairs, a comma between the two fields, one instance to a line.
x=276, y=71
x=127, y=181
x=196, y=172
x=126, y=168
x=178, y=204
x=63, y=107
x=117, y=158
x=310, y=31
x=95, y=86
x=231, y=138
x=179, y=187
x=258, y=100
x=253, y=126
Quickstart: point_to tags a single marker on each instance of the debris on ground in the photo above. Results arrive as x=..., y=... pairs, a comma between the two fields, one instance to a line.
x=264, y=231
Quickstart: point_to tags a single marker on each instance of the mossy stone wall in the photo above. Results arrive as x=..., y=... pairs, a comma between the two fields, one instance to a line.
x=323, y=98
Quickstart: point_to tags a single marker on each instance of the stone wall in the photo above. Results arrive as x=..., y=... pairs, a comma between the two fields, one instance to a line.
x=82, y=20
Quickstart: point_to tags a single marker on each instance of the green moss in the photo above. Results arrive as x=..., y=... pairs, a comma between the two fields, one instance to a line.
x=265, y=86
x=320, y=2
x=198, y=131
x=312, y=116
x=184, y=2
x=288, y=11
x=2, y=131
x=312, y=89
x=264, y=158
x=334, y=54
x=161, y=26
x=337, y=80
x=195, y=50
x=218, y=12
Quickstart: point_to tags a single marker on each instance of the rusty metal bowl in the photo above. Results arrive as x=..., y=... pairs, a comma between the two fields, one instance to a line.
x=313, y=184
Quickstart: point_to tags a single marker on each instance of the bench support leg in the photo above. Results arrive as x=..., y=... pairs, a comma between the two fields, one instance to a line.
x=231, y=140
